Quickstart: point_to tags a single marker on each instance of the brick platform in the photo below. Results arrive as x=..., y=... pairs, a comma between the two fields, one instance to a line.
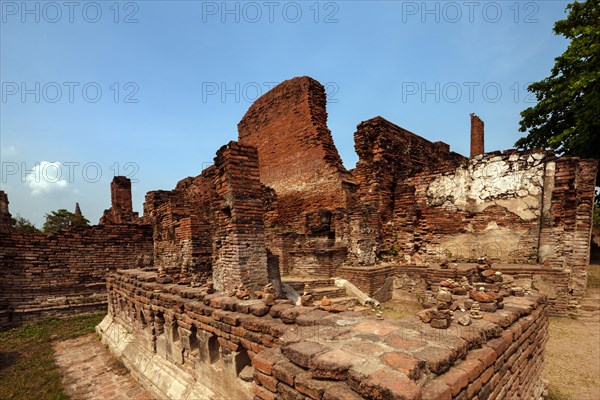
x=181, y=342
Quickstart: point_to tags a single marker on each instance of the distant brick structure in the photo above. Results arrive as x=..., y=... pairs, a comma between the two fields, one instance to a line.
x=121, y=210
x=64, y=273
x=77, y=209
x=477, y=136
x=6, y=221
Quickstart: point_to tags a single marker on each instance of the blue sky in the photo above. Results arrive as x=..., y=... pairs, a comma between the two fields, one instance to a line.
x=152, y=89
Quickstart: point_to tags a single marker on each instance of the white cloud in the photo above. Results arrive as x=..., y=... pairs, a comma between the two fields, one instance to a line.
x=45, y=177
x=8, y=151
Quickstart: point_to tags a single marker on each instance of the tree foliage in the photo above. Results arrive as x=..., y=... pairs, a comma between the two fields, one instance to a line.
x=24, y=225
x=63, y=219
x=567, y=115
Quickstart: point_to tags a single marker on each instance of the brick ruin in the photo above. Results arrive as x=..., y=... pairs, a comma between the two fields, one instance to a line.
x=64, y=273
x=226, y=286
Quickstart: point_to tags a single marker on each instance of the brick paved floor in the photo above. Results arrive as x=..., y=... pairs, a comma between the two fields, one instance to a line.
x=90, y=372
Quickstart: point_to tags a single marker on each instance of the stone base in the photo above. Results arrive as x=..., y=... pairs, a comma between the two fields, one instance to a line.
x=165, y=378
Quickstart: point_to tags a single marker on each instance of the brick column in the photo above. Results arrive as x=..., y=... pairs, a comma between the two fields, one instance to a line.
x=476, y=136
x=239, y=250
x=121, y=210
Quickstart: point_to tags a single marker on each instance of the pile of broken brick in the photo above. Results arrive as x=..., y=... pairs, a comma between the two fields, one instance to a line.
x=465, y=300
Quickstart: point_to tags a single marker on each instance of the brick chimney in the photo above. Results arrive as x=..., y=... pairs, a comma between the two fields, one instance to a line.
x=476, y=136
x=77, y=209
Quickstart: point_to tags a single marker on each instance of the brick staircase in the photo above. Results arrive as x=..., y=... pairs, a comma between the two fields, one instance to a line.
x=319, y=288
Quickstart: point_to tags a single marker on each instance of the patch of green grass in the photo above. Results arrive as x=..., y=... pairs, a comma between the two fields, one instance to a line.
x=593, y=277
x=27, y=367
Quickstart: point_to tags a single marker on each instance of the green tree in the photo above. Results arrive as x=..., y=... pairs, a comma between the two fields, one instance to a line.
x=24, y=225
x=63, y=219
x=567, y=115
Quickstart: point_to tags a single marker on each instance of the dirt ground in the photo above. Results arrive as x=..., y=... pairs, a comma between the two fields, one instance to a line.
x=573, y=350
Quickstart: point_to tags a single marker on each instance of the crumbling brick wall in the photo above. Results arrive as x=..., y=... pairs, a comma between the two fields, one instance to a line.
x=386, y=152
x=565, y=237
x=299, y=161
x=512, y=207
x=288, y=127
x=495, y=206
x=489, y=206
x=212, y=226
x=64, y=273
x=239, y=250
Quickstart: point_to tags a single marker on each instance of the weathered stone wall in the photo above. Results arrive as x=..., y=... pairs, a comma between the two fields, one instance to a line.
x=490, y=206
x=511, y=207
x=184, y=343
x=64, y=273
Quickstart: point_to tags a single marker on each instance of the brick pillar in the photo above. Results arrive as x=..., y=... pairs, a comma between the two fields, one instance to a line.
x=120, y=194
x=476, y=136
x=239, y=249
x=121, y=210
x=5, y=217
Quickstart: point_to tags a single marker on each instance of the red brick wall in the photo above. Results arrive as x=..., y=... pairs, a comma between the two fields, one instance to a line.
x=239, y=250
x=288, y=127
x=566, y=229
x=386, y=152
x=65, y=273
x=527, y=209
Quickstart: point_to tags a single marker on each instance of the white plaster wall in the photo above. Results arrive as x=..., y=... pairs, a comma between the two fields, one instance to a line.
x=513, y=182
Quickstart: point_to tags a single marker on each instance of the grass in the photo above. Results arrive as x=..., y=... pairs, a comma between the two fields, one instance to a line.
x=27, y=367
x=593, y=277
x=398, y=309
